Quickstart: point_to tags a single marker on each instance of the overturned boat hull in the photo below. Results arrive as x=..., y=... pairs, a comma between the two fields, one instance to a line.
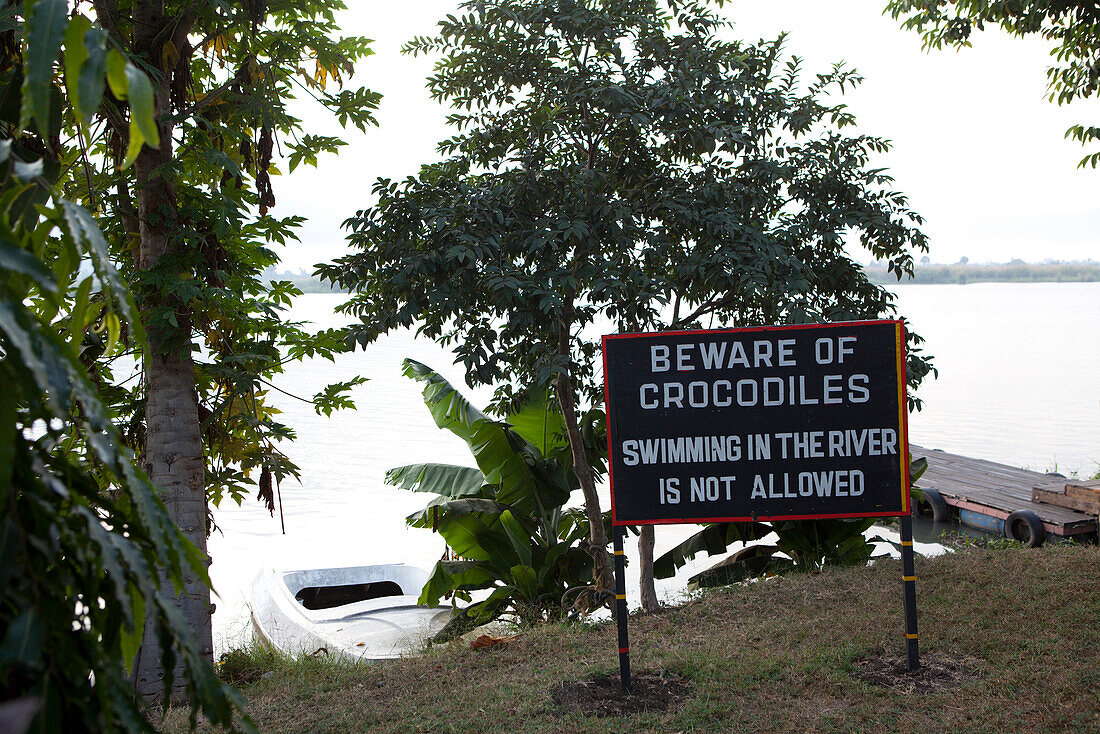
x=364, y=612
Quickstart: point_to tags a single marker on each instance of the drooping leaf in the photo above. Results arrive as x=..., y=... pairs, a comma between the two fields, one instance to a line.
x=442, y=479
x=93, y=73
x=22, y=641
x=142, y=113
x=519, y=537
x=44, y=33
x=76, y=53
x=19, y=260
x=713, y=539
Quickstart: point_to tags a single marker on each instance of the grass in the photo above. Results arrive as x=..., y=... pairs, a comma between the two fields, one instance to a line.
x=767, y=657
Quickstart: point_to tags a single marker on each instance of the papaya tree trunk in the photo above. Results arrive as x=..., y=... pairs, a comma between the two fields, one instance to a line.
x=645, y=560
x=173, y=455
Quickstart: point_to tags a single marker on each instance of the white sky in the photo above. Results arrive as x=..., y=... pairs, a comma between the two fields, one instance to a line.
x=977, y=147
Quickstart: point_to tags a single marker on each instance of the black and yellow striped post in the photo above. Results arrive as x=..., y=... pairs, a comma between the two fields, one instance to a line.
x=909, y=581
x=617, y=534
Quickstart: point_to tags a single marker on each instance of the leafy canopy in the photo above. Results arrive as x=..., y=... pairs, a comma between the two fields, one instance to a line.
x=84, y=537
x=230, y=75
x=620, y=164
x=1073, y=26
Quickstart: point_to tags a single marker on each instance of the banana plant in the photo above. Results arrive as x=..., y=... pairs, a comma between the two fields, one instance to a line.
x=505, y=518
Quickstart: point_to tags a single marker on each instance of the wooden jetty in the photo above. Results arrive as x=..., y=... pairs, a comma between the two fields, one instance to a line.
x=1003, y=499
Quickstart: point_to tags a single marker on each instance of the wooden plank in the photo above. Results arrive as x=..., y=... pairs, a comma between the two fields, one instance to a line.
x=1071, y=496
x=999, y=489
x=1061, y=499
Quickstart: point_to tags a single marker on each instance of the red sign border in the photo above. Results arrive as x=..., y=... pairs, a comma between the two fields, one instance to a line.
x=903, y=421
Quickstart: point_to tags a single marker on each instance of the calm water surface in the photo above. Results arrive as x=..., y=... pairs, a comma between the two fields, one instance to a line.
x=1018, y=384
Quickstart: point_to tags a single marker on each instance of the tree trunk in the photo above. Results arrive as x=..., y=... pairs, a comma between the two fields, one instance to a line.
x=645, y=559
x=597, y=538
x=173, y=455
x=602, y=573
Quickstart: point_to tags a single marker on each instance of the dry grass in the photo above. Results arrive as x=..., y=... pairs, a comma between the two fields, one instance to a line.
x=780, y=656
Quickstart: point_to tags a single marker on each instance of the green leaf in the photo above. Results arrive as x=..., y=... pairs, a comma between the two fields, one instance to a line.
x=917, y=468
x=499, y=452
x=7, y=439
x=442, y=479
x=22, y=645
x=19, y=260
x=713, y=539
x=142, y=111
x=92, y=73
x=76, y=53
x=86, y=234
x=116, y=74
x=525, y=579
x=455, y=508
x=540, y=422
x=134, y=629
x=517, y=536
x=44, y=32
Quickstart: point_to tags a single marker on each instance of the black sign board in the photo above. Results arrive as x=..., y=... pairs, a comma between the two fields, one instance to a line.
x=769, y=423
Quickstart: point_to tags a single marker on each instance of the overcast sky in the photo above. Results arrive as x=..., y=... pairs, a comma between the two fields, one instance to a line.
x=977, y=147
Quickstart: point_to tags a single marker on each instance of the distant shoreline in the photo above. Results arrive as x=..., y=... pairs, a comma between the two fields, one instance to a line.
x=927, y=274
x=1014, y=272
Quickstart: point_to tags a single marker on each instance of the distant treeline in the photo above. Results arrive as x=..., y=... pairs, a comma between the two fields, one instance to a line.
x=1013, y=272
x=304, y=283
x=927, y=274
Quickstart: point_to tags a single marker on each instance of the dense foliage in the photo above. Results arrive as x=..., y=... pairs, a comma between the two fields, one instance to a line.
x=224, y=81
x=504, y=521
x=85, y=540
x=620, y=164
x=1073, y=27
x=163, y=120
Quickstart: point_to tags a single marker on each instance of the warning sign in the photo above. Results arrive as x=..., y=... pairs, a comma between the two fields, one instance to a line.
x=784, y=422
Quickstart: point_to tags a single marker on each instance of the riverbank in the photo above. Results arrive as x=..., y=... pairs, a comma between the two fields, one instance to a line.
x=1011, y=638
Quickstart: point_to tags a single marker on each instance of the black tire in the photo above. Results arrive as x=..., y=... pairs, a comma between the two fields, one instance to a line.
x=932, y=503
x=1026, y=527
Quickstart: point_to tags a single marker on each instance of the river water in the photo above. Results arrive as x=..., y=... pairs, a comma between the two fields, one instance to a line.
x=1018, y=384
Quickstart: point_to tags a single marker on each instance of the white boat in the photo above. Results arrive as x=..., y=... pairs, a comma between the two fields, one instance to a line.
x=365, y=612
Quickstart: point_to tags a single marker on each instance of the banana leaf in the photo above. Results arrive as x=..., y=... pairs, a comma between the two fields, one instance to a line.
x=502, y=454
x=748, y=563
x=519, y=537
x=713, y=539
x=538, y=420
x=433, y=514
x=445, y=480
x=447, y=576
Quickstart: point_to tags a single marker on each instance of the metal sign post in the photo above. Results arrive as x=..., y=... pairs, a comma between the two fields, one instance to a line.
x=909, y=580
x=620, y=607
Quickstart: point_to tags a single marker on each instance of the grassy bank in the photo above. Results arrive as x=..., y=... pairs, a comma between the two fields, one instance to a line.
x=1022, y=625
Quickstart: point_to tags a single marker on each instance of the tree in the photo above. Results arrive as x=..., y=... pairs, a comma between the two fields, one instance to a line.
x=172, y=145
x=85, y=542
x=619, y=164
x=1073, y=26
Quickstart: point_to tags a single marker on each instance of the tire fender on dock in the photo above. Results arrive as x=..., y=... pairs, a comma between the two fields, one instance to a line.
x=932, y=503
x=1026, y=527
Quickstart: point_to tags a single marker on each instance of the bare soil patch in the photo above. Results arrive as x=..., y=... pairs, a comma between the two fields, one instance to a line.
x=937, y=672
x=604, y=696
